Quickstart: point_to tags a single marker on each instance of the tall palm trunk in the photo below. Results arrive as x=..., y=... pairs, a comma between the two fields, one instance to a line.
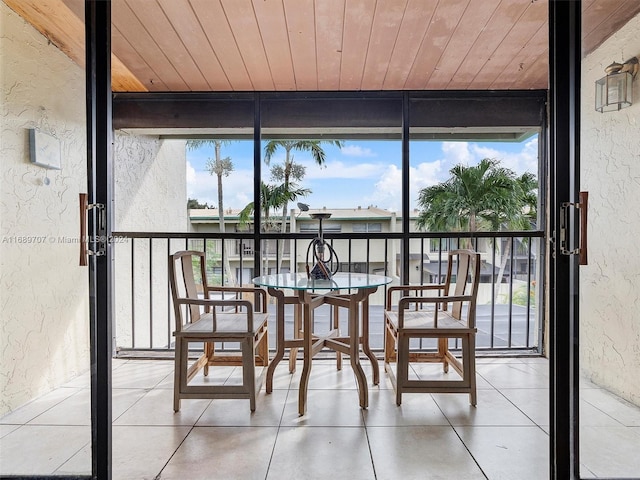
x=226, y=265
x=285, y=207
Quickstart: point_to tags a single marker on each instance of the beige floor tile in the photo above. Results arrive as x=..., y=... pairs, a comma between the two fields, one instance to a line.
x=500, y=432
x=73, y=410
x=81, y=381
x=415, y=410
x=611, y=452
x=514, y=375
x=336, y=408
x=139, y=453
x=7, y=429
x=38, y=406
x=141, y=374
x=433, y=371
x=492, y=409
x=408, y=453
x=508, y=453
x=218, y=375
x=325, y=376
x=281, y=376
x=591, y=416
x=321, y=453
x=76, y=409
x=231, y=412
x=489, y=360
x=533, y=402
x=534, y=359
x=42, y=449
x=235, y=377
x=385, y=380
x=156, y=408
x=619, y=409
x=223, y=452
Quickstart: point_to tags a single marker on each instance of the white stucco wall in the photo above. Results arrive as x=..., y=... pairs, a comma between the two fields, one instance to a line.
x=610, y=172
x=44, y=327
x=44, y=293
x=150, y=195
x=150, y=188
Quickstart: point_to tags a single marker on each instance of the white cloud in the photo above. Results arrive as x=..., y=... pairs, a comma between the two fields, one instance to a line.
x=338, y=169
x=457, y=152
x=525, y=160
x=357, y=151
x=237, y=187
x=387, y=191
x=191, y=173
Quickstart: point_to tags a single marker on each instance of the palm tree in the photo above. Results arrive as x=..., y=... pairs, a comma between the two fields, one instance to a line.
x=482, y=197
x=272, y=197
x=526, y=189
x=220, y=167
x=290, y=170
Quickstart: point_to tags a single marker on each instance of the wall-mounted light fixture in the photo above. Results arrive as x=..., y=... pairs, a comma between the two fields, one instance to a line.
x=615, y=91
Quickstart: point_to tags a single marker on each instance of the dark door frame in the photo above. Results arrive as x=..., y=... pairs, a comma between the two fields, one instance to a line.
x=565, y=54
x=99, y=188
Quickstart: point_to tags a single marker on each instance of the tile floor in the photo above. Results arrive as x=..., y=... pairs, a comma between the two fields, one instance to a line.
x=428, y=437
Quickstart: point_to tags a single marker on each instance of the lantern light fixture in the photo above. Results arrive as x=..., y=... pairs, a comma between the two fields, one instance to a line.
x=615, y=90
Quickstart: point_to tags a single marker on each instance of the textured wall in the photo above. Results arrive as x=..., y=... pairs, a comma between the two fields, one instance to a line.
x=150, y=195
x=610, y=171
x=149, y=184
x=43, y=292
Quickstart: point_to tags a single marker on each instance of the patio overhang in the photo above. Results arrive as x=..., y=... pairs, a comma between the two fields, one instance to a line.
x=234, y=46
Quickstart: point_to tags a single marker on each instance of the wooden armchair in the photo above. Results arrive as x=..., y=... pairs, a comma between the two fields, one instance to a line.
x=435, y=311
x=228, y=318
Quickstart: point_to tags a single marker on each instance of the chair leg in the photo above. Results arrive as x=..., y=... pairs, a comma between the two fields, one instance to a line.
x=402, y=366
x=389, y=344
x=178, y=370
x=443, y=347
x=248, y=370
x=264, y=348
x=209, y=349
x=471, y=365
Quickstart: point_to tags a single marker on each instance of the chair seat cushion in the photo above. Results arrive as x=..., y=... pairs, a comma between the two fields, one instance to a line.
x=227, y=325
x=425, y=320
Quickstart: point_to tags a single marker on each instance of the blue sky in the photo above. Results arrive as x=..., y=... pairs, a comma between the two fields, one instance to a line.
x=362, y=173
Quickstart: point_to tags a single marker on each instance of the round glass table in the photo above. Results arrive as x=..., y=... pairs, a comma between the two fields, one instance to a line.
x=349, y=291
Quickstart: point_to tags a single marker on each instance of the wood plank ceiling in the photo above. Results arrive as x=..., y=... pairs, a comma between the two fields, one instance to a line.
x=309, y=45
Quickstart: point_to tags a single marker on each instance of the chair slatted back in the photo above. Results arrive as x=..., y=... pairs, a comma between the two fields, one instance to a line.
x=183, y=284
x=467, y=279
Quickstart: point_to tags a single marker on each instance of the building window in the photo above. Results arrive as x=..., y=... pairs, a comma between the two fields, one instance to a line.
x=367, y=227
x=326, y=228
x=439, y=244
x=244, y=247
x=355, y=267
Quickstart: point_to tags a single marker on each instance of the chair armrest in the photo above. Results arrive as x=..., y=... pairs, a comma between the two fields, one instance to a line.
x=410, y=288
x=261, y=292
x=404, y=303
x=237, y=303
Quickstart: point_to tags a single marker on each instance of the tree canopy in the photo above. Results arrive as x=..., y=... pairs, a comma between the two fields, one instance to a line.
x=486, y=196
x=272, y=197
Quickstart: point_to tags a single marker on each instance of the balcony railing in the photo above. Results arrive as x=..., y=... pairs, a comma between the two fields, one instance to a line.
x=509, y=315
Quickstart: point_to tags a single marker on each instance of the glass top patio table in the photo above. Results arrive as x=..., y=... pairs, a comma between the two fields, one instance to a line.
x=339, y=281
x=313, y=293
